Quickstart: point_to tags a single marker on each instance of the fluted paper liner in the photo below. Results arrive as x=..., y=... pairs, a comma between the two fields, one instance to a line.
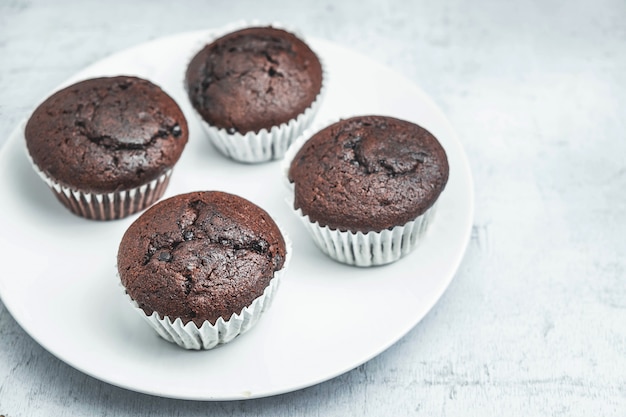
x=357, y=248
x=267, y=144
x=371, y=248
x=106, y=206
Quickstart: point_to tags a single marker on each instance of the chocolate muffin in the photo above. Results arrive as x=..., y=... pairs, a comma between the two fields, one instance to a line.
x=207, y=262
x=259, y=82
x=107, y=145
x=369, y=174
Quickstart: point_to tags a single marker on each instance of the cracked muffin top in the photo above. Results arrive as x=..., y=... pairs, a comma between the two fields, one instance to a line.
x=107, y=134
x=252, y=79
x=368, y=173
x=200, y=256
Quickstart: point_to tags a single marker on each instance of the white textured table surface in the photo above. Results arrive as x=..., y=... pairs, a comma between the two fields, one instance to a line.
x=534, y=322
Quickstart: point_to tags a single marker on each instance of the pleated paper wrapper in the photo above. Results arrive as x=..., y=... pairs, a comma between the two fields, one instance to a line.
x=106, y=206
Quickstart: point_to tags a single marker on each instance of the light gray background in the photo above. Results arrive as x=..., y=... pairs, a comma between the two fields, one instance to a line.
x=534, y=322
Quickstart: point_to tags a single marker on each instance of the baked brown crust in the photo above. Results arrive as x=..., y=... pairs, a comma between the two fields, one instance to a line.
x=200, y=256
x=107, y=134
x=253, y=79
x=368, y=173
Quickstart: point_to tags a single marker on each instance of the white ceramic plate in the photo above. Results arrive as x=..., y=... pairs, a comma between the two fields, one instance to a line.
x=58, y=277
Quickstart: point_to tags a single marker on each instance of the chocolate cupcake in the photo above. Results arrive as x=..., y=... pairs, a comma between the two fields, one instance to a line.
x=107, y=146
x=202, y=267
x=366, y=187
x=255, y=90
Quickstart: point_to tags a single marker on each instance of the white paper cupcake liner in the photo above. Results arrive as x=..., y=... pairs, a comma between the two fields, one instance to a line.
x=371, y=248
x=208, y=336
x=106, y=206
x=265, y=145
x=356, y=248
